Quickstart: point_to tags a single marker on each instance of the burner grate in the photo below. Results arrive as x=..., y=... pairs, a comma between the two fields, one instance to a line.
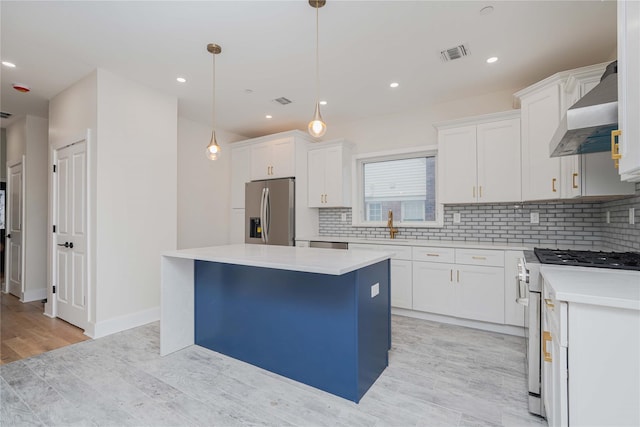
x=615, y=260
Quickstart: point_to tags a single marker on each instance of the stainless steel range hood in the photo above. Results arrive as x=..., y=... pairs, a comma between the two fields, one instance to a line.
x=587, y=126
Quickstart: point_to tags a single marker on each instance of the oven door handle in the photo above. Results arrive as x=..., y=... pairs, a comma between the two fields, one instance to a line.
x=521, y=299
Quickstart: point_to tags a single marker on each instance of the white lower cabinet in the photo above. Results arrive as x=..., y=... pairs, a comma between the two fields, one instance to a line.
x=401, y=289
x=590, y=369
x=470, y=291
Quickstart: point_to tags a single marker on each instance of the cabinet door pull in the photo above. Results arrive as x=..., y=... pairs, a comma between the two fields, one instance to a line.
x=480, y=190
x=458, y=276
x=546, y=336
x=615, y=147
x=573, y=180
x=479, y=257
x=549, y=304
x=429, y=254
x=451, y=276
x=553, y=185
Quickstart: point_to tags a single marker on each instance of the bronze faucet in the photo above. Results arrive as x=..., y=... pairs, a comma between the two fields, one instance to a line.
x=392, y=231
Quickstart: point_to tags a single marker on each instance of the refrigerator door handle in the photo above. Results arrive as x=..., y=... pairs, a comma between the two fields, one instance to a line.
x=262, y=215
x=267, y=215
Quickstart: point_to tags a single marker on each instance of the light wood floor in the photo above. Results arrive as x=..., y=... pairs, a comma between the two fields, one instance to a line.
x=25, y=331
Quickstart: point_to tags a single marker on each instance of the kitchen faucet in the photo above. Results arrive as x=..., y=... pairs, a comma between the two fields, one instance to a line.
x=392, y=231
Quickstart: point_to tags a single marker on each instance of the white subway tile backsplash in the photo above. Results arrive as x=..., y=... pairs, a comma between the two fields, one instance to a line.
x=561, y=224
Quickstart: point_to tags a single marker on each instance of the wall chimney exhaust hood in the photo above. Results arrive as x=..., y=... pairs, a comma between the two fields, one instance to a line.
x=587, y=126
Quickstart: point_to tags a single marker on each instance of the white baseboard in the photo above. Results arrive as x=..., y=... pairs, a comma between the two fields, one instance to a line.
x=122, y=323
x=475, y=324
x=34, y=295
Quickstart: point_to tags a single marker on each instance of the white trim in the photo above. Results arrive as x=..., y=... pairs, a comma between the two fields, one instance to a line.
x=475, y=324
x=34, y=295
x=474, y=120
x=122, y=323
x=358, y=207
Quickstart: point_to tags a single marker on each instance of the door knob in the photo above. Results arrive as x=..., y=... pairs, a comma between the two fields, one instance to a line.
x=66, y=245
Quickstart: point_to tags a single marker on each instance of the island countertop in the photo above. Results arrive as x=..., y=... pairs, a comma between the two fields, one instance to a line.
x=309, y=260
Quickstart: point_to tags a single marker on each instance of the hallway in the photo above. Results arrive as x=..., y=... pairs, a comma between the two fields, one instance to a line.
x=25, y=331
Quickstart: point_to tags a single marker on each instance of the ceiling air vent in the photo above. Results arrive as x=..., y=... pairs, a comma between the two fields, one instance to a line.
x=454, y=53
x=282, y=100
x=4, y=115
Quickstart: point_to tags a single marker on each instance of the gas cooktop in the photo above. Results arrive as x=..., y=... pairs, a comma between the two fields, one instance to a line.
x=617, y=260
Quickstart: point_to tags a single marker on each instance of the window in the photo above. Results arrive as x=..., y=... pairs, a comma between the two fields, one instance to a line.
x=401, y=182
x=374, y=212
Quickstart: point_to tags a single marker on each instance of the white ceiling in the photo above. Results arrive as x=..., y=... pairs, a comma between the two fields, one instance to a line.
x=268, y=47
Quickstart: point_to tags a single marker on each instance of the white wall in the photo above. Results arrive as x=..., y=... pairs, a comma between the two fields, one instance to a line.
x=136, y=195
x=28, y=137
x=415, y=128
x=203, y=186
x=71, y=113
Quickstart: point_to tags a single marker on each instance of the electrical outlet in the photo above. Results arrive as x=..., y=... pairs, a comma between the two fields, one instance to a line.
x=535, y=218
x=632, y=215
x=343, y=217
x=608, y=217
x=375, y=290
x=456, y=218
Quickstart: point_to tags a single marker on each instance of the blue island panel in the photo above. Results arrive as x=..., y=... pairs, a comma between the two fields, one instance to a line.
x=322, y=330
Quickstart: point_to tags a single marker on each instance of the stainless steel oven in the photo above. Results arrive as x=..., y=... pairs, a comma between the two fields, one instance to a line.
x=529, y=295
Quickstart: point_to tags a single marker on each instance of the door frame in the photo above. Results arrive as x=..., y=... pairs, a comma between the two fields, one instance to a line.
x=7, y=253
x=51, y=307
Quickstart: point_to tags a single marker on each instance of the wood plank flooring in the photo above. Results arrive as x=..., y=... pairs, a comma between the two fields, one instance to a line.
x=438, y=375
x=25, y=331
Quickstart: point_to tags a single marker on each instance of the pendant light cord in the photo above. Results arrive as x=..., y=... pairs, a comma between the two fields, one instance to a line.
x=213, y=95
x=317, y=58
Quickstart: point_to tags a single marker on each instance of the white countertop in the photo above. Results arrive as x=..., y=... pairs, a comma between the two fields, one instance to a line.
x=597, y=286
x=309, y=260
x=415, y=242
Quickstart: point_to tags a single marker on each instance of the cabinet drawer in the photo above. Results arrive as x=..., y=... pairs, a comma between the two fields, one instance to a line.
x=433, y=254
x=399, y=252
x=480, y=257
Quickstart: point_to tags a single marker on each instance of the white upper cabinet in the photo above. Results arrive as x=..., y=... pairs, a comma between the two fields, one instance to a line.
x=240, y=174
x=329, y=177
x=273, y=159
x=540, y=118
x=480, y=162
x=629, y=89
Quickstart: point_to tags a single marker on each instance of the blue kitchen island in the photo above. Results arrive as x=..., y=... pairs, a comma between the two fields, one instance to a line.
x=318, y=316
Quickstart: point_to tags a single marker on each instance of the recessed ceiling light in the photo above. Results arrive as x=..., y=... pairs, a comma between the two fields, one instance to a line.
x=8, y=64
x=394, y=84
x=492, y=59
x=323, y=102
x=181, y=79
x=268, y=116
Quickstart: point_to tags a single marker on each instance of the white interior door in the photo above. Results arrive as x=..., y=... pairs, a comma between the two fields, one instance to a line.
x=70, y=237
x=15, y=201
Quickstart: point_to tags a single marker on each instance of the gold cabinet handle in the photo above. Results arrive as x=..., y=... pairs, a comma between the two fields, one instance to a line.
x=615, y=147
x=479, y=257
x=548, y=302
x=458, y=276
x=546, y=336
x=573, y=180
x=553, y=185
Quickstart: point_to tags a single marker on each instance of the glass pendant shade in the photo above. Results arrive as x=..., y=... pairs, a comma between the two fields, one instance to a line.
x=317, y=126
x=213, y=149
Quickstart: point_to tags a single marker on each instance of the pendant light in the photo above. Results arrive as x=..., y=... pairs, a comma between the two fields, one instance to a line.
x=213, y=149
x=317, y=126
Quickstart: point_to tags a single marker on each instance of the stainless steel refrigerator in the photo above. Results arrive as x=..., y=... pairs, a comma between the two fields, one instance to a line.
x=270, y=212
